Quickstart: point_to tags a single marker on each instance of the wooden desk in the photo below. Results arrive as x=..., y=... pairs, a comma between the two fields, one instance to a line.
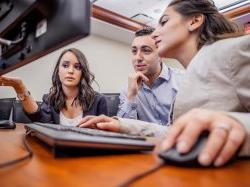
x=43, y=170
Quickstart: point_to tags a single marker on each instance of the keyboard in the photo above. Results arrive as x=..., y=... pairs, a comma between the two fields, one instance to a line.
x=90, y=132
x=65, y=139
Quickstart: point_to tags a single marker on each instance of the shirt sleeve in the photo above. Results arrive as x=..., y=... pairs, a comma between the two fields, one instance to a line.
x=142, y=128
x=127, y=109
x=239, y=65
x=244, y=119
x=43, y=113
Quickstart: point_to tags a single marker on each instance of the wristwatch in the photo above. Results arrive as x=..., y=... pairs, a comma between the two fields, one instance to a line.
x=22, y=96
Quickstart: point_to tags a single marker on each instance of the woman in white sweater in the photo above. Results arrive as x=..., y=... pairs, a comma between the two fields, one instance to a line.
x=215, y=92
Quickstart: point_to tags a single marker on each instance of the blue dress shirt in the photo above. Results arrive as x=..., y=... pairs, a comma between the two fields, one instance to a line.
x=152, y=104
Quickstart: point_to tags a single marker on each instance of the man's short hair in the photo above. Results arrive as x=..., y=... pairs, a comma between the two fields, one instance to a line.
x=144, y=32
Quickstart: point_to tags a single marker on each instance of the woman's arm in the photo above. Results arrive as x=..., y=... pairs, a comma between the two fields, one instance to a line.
x=44, y=112
x=29, y=104
x=244, y=119
x=226, y=135
x=123, y=125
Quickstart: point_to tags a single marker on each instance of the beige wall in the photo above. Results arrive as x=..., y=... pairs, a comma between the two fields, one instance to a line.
x=173, y=63
x=109, y=61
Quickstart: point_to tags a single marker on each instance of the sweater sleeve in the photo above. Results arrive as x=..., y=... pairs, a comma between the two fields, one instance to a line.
x=43, y=113
x=244, y=119
x=142, y=128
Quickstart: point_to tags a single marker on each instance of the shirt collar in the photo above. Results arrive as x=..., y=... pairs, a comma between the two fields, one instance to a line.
x=165, y=72
x=164, y=75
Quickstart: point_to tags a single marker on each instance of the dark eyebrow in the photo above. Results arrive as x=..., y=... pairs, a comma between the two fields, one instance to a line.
x=145, y=46
x=162, y=17
x=66, y=61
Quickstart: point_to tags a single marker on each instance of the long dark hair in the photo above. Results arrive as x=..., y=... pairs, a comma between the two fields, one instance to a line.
x=86, y=93
x=215, y=26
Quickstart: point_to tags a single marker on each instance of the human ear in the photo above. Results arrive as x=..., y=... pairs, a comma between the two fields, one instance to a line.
x=196, y=22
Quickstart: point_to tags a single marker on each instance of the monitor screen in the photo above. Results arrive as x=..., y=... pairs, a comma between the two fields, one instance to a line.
x=30, y=29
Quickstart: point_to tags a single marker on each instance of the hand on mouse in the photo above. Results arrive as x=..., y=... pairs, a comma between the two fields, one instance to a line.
x=225, y=138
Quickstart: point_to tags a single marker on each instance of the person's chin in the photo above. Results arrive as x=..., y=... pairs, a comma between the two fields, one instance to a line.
x=70, y=84
x=143, y=71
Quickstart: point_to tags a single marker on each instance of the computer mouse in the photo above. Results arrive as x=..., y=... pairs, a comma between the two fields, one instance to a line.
x=190, y=159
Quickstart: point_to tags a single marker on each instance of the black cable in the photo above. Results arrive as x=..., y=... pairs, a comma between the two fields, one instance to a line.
x=27, y=147
x=20, y=39
x=141, y=175
x=11, y=42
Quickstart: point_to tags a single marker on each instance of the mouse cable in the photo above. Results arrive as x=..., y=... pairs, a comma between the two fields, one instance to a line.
x=28, y=155
x=141, y=175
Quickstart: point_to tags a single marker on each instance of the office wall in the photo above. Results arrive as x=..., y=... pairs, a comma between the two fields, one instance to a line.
x=109, y=60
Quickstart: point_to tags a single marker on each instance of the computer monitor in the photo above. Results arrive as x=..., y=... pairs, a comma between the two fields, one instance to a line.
x=30, y=29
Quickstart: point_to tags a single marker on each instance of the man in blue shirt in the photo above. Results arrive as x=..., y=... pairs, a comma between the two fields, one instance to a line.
x=151, y=90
